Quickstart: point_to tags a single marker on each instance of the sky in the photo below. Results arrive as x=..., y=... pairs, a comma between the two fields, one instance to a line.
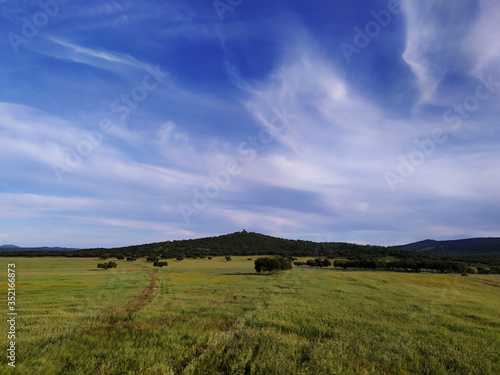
x=129, y=122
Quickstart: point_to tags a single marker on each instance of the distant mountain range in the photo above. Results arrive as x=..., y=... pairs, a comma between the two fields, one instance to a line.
x=471, y=247
x=9, y=247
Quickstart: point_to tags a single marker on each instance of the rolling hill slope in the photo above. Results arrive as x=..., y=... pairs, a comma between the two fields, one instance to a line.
x=483, y=250
x=471, y=247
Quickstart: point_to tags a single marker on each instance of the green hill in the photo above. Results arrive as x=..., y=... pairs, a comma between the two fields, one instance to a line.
x=487, y=248
x=247, y=243
x=250, y=243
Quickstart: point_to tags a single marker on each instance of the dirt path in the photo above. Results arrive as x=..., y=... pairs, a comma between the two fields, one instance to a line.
x=123, y=316
x=142, y=300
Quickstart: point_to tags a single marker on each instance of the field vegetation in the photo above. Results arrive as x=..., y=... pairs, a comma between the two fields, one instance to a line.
x=221, y=317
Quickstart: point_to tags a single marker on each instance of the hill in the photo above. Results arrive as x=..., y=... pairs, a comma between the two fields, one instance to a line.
x=245, y=243
x=250, y=243
x=487, y=248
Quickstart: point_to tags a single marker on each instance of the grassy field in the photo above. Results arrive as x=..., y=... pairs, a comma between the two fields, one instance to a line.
x=219, y=317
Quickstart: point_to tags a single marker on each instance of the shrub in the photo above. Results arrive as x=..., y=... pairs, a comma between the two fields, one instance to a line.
x=107, y=265
x=272, y=264
x=160, y=264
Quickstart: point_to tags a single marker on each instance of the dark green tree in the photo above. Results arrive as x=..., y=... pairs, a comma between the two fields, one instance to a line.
x=107, y=265
x=160, y=264
x=269, y=265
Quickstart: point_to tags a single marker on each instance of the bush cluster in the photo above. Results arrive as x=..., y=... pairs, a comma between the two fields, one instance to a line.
x=272, y=264
x=160, y=264
x=107, y=265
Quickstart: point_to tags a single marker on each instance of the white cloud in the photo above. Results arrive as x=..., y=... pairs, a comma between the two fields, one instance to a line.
x=337, y=140
x=32, y=204
x=426, y=45
x=482, y=43
x=99, y=58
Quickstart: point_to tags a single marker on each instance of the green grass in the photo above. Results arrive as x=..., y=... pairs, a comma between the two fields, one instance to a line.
x=219, y=317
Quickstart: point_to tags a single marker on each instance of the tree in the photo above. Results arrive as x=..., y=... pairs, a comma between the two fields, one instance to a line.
x=318, y=263
x=326, y=263
x=120, y=257
x=131, y=259
x=341, y=263
x=180, y=258
x=285, y=264
x=160, y=264
x=482, y=270
x=272, y=264
x=107, y=265
x=495, y=269
x=104, y=256
x=311, y=263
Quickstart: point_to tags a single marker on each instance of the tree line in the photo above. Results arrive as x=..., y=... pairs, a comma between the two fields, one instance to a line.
x=442, y=266
x=249, y=243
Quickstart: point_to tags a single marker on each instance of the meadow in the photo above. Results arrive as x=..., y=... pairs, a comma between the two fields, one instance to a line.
x=218, y=317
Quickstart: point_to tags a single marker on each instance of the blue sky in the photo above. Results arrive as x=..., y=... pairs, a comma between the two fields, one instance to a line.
x=127, y=122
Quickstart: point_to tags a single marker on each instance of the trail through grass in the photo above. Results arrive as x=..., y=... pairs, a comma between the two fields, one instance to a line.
x=219, y=317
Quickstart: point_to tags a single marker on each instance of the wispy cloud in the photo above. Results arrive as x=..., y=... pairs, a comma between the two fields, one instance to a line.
x=99, y=58
x=321, y=175
x=481, y=45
